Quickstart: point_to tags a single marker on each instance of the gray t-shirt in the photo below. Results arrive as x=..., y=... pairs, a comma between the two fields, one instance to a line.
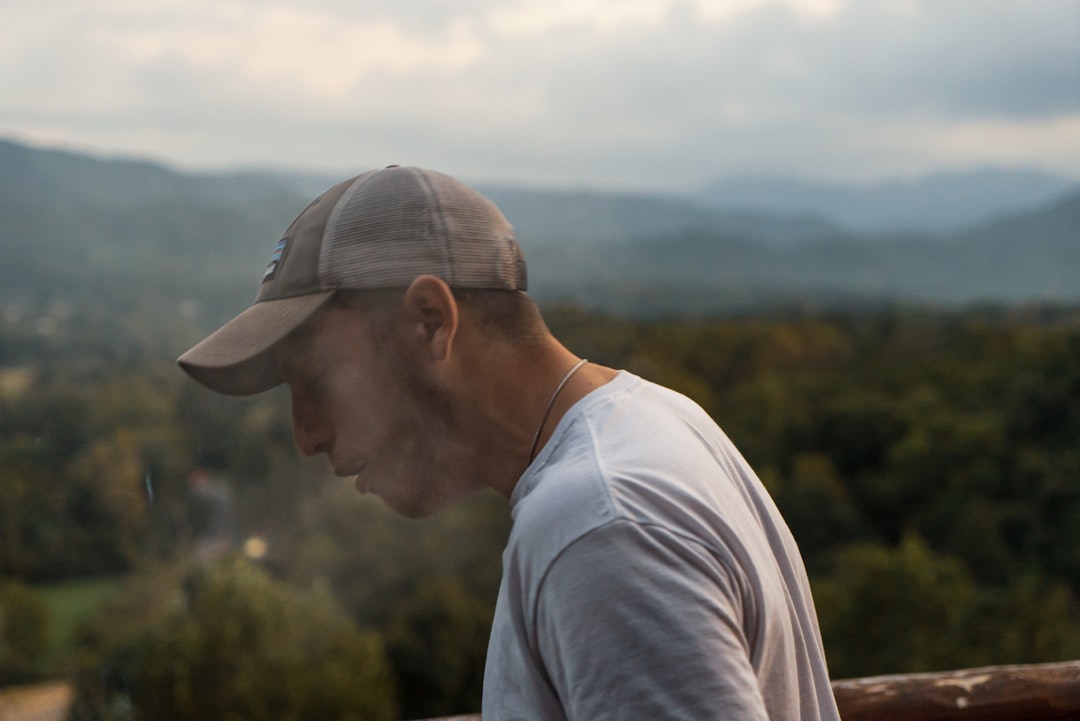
x=649, y=575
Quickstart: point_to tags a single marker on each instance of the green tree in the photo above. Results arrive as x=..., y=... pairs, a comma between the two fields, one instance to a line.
x=817, y=506
x=437, y=641
x=1031, y=620
x=230, y=642
x=893, y=610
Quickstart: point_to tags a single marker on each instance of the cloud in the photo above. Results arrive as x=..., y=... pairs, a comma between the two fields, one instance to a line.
x=641, y=92
x=964, y=59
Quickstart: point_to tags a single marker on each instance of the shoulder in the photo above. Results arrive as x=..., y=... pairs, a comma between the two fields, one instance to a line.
x=635, y=452
x=576, y=483
x=641, y=453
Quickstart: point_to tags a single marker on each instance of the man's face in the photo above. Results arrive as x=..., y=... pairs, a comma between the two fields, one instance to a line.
x=363, y=397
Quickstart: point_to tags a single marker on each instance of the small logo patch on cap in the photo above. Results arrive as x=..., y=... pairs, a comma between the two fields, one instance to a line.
x=275, y=259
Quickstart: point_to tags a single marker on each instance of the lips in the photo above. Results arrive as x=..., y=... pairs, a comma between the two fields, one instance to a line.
x=362, y=484
x=356, y=471
x=344, y=471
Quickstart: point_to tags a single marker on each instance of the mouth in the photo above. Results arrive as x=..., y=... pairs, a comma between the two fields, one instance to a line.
x=362, y=483
x=349, y=471
x=355, y=471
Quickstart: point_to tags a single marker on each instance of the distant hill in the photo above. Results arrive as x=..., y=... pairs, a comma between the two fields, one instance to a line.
x=122, y=233
x=543, y=216
x=614, y=219
x=1025, y=253
x=36, y=175
x=73, y=227
x=778, y=210
x=1025, y=257
x=942, y=202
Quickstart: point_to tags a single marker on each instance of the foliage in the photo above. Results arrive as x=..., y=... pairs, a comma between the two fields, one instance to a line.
x=428, y=586
x=885, y=608
x=234, y=643
x=908, y=609
x=437, y=642
x=79, y=456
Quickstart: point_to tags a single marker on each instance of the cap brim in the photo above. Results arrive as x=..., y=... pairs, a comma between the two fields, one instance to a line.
x=235, y=359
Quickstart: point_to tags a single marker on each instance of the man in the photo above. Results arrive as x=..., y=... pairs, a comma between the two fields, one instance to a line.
x=648, y=575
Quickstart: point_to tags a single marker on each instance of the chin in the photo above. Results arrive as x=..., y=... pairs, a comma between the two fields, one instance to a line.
x=411, y=507
x=422, y=505
x=413, y=512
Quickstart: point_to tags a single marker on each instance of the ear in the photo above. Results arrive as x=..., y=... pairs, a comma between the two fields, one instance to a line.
x=432, y=312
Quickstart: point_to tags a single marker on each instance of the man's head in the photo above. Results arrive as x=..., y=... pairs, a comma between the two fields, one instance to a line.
x=385, y=309
x=376, y=231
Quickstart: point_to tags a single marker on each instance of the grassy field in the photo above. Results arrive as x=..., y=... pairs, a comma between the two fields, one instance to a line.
x=71, y=603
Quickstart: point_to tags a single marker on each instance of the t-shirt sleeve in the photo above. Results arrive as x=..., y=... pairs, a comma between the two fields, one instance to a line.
x=635, y=622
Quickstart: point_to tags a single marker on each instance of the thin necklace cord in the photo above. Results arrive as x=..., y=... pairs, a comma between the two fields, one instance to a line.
x=551, y=404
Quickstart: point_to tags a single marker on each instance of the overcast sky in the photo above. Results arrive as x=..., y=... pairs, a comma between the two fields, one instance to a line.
x=632, y=93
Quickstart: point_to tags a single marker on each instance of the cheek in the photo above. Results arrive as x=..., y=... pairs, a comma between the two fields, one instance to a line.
x=302, y=411
x=354, y=405
x=421, y=396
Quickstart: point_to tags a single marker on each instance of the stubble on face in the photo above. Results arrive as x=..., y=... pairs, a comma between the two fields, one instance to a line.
x=377, y=401
x=416, y=473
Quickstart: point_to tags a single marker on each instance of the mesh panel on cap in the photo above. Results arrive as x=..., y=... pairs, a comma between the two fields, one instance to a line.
x=398, y=223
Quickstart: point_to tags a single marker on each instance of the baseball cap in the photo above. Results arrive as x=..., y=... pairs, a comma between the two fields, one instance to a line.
x=377, y=230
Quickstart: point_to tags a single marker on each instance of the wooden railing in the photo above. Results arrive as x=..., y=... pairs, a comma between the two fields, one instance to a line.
x=1044, y=692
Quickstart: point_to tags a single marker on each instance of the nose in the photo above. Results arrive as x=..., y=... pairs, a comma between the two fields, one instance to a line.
x=310, y=430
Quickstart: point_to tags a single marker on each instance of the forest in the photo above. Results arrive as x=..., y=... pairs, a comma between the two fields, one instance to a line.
x=926, y=460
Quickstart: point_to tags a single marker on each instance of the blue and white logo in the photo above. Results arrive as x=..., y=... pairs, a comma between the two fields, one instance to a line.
x=275, y=259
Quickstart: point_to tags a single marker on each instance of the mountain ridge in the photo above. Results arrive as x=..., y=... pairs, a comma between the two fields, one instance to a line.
x=938, y=202
x=97, y=228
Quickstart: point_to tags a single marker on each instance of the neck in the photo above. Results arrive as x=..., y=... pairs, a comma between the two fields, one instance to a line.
x=508, y=396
